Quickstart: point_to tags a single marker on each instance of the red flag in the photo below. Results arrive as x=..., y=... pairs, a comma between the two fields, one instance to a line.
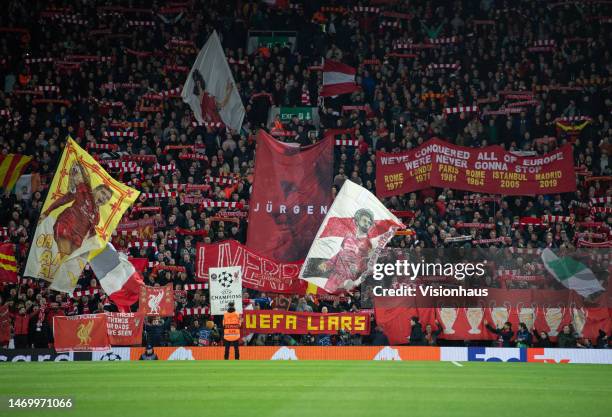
x=157, y=301
x=338, y=78
x=80, y=333
x=5, y=325
x=291, y=194
x=8, y=263
x=124, y=329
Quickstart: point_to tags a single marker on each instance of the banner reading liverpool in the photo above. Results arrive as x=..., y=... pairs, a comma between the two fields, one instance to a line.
x=487, y=170
x=291, y=195
x=81, y=211
x=258, y=272
x=124, y=329
x=80, y=333
x=291, y=322
x=225, y=287
x=347, y=244
x=210, y=89
x=156, y=301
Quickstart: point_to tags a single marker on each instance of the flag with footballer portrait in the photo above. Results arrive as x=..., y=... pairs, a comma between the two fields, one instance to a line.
x=210, y=89
x=349, y=240
x=82, y=209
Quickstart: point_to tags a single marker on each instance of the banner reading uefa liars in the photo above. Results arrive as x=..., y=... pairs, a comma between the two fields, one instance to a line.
x=488, y=170
x=291, y=195
x=289, y=322
x=258, y=272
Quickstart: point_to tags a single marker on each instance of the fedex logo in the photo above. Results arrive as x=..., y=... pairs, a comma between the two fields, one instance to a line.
x=546, y=356
x=483, y=354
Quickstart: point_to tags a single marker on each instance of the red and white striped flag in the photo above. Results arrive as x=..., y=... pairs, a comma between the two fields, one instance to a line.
x=338, y=78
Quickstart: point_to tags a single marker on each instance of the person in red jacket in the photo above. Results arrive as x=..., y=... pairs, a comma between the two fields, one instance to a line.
x=21, y=324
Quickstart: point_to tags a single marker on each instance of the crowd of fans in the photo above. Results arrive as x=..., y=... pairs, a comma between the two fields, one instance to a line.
x=492, y=45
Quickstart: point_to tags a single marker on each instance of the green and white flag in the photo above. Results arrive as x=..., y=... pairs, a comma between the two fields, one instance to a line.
x=571, y=273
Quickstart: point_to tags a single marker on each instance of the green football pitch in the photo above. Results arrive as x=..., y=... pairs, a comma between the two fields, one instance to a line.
x=311, y=388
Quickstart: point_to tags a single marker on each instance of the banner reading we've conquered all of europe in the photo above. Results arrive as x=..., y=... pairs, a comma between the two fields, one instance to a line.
x=489, y=170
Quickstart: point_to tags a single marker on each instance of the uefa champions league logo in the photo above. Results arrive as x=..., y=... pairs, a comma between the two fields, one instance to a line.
x=110, y=356
x=225, y=279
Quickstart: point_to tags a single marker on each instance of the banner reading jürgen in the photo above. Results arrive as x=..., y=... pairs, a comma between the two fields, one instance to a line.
x=290, y=198
x=488, y=170
x=290, y=322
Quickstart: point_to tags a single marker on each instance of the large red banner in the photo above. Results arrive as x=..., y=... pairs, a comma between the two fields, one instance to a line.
x=124, y=329
x=291, y=195
x=156, y=301
x=291, y=322
x=258, y=272
x=80, y=333
x=488, y=170
x=469, y=323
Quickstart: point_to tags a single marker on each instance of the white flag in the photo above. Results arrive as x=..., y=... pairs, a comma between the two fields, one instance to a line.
x=571, y=273
x=210, y=89
x=225, y=287
x=354, y=231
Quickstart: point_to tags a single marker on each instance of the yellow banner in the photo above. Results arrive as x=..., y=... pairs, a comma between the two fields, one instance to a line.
x=82, y=209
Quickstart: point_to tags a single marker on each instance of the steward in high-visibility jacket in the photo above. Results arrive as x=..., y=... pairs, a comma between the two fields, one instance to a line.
x=231, y=331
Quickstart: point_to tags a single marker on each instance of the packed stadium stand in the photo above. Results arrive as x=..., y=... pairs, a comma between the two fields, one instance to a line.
x=530, y=76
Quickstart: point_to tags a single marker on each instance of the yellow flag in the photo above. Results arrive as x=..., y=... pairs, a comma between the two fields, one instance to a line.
x=11, y=168
x=82, y=209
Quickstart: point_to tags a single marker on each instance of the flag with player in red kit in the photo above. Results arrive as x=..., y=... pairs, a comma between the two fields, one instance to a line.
x=210, y=89
x=355, y=230
x=82, y=209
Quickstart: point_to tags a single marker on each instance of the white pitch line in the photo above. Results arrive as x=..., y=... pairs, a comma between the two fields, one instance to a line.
x=457, y=364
